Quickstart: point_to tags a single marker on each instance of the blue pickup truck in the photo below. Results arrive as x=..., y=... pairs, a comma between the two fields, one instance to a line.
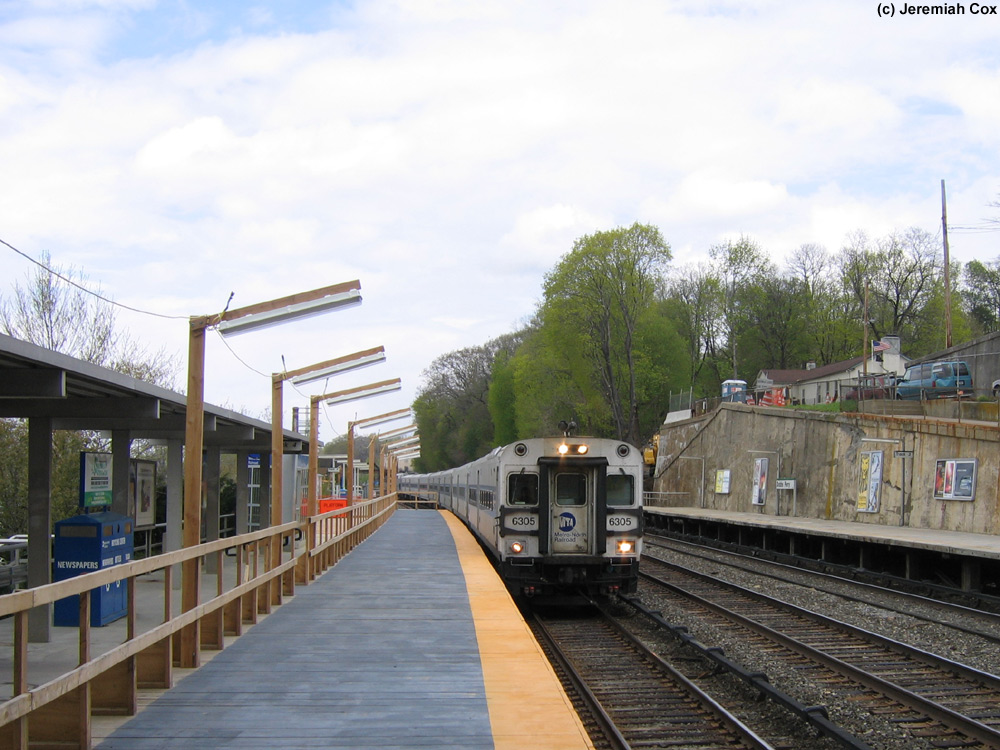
x=935, y=380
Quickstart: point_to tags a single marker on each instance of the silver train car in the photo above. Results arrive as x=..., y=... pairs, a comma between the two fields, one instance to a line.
x=558, y=515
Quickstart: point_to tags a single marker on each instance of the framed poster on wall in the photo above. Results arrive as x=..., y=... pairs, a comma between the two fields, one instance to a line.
x=722, y=481
x=95, y=480
x=955, y=479
x=870, y=482
x=759, y=488
x=144, y=487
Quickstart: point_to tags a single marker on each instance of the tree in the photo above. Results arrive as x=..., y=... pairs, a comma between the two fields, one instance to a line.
x=777, y=309
x=601, y=288
x=831, y=318
x=982, y=294
x=694, y=303
x=52, y=312
x=899, y=272
x=738, y=265
x=452, y=408
x=55, y=313
x=502, y=400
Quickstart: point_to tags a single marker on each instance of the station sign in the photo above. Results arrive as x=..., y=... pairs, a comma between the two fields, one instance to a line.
x=785, y=484
x=902, y=454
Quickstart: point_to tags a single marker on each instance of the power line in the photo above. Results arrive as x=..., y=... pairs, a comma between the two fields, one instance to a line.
x=88, y=291
x=237, y=356
x=976, y=229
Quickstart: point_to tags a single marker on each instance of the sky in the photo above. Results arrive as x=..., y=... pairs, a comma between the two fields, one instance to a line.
x=448, y=153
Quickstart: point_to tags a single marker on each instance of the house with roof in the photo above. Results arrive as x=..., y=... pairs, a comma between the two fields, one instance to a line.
x=819, y=385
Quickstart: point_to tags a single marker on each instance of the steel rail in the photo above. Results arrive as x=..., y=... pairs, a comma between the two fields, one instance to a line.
x=603, y=719
x=990, y=618
x=965, y=724
x=750, y=738
x=818, y=716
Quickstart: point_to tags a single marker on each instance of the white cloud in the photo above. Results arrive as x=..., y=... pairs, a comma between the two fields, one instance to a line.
x=449, y=153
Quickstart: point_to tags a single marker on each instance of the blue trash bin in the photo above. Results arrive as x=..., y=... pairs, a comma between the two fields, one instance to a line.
x=84, y=544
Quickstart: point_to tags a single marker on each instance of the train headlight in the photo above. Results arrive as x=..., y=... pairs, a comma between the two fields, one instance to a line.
x=516, y=548
x=625, y=546
x=563, y=449
x=581, y=449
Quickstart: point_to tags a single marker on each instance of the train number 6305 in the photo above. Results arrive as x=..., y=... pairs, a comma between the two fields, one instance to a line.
x=621, y=522
x=523, y=521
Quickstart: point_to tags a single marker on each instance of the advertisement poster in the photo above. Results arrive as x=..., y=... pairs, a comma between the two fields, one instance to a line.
x=870, y=482
x=955, y=479
x=95, y=480
x=144, y=486
x=759, y=481
x=722, y=481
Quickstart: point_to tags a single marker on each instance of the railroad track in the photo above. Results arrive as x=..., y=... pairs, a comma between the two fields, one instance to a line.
x=976, y=622
x=641, y=701
x=939, y=700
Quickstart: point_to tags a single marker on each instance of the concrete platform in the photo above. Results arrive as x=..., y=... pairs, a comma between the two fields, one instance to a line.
x=411, y=641
x=935, y=540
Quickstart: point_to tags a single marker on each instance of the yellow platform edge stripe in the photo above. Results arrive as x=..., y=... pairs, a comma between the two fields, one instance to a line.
x=527, y=704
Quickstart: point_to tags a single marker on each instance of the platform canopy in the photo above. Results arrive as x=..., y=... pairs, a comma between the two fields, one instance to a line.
x=78, y=395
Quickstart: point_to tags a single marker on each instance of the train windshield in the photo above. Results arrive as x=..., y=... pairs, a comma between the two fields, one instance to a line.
x=522, y=489
x=619, y=489
x=571, y=489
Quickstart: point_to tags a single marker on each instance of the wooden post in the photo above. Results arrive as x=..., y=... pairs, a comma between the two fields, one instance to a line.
x=383, y=474
x=277, y=488
x=371, y=467
x=349, y=469
x=313, y=455
x=947, y=271
x=194, y=436
x=277, y=448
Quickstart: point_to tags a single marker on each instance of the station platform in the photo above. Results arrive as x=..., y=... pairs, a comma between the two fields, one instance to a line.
x=938, y=541
x=411, y=641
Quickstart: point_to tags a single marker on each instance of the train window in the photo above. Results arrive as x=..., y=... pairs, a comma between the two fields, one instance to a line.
x=619, y=489
x=571, y=489
x=522, y=489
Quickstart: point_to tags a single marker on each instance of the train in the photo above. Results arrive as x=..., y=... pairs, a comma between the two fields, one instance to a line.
x=558, y=515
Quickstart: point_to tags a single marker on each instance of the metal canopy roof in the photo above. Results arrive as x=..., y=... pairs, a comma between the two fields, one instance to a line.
x=78, y=395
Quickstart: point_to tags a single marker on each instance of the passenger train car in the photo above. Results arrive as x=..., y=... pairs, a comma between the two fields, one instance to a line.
x=558, y=515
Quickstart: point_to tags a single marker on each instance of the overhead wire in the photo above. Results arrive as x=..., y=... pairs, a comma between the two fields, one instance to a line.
x=89, y=291
x=222, y=338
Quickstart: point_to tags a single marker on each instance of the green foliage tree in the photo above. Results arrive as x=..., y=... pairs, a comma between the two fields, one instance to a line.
x=502, y=400
x=981, y=289
x=694, y=304
x=601, y=288
x=13, y=477
x=452, y=408
x=739, y=265
x=831, y=318
x=776, y=310
x=614, y=336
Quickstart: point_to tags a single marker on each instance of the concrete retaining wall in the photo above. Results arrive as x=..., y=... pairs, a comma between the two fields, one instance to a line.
x=823, y=453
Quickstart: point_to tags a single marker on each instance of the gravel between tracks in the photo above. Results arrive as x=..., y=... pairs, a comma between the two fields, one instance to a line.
x=845, y=709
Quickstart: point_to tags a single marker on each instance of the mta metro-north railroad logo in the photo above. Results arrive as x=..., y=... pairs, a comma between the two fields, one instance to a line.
x=567, y=522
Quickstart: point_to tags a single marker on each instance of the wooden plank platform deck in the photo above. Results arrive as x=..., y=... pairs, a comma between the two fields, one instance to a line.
x=379, y=652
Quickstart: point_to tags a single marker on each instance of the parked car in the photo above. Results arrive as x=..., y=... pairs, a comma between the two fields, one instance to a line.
x=935, y=380
x=871, y=386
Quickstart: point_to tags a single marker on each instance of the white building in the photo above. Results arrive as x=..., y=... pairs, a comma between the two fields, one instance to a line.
x=819, y=385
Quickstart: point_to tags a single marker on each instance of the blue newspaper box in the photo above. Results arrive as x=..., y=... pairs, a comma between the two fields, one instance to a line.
x=84, y=544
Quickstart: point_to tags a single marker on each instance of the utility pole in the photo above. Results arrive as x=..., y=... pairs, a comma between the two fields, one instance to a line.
x=864, y=343
x=947, y=271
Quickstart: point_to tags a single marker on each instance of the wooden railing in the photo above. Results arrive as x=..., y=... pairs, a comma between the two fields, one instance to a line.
x=268, y=564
